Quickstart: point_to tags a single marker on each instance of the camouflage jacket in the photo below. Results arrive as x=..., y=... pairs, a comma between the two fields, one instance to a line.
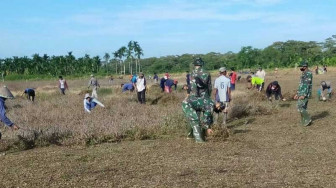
x=305, y=87
x=200, y=82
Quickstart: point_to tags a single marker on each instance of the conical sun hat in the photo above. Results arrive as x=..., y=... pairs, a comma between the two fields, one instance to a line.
x=5, y=93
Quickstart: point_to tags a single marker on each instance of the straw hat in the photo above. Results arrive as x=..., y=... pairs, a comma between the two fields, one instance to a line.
x=5, y=93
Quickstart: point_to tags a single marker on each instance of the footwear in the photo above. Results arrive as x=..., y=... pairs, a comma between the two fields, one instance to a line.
x=308, y=123
x=306, y=118
x=200, y=142
x=198, y=134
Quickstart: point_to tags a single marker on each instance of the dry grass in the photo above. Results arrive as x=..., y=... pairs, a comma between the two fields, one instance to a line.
x=263, y=144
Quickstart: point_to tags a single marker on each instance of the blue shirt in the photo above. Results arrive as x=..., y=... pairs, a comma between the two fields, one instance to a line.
x=28, y=90
x=89, y=105
x=3, y=116
x=134, y=79
x=169, y=83
x=126, y=87
x=222, y=84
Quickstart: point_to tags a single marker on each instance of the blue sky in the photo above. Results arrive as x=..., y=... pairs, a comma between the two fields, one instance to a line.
x=170, y=27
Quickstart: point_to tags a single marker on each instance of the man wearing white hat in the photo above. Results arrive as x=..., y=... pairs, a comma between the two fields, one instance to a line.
x=222, y=93
x=5, y=94
x=90, y=103
x=94, y=83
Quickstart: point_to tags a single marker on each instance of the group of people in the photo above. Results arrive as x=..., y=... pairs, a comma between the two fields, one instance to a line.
x=166, y=83
x=138, y=83
x=198, y=106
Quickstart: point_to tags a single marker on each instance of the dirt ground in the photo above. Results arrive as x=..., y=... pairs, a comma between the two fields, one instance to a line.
x=261, y=151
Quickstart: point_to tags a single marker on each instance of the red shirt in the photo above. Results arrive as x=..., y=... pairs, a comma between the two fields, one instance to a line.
x=233, y=77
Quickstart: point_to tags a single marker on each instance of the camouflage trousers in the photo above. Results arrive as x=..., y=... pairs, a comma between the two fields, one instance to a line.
x=302, y=108
x=193, y=108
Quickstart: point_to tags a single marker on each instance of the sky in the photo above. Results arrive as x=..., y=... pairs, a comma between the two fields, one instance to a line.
x=170, y=27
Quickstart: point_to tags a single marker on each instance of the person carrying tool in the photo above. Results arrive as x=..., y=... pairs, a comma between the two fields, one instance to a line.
x=30, y=93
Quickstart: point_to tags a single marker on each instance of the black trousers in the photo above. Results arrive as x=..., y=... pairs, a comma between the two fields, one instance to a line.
x=142, y=96
x=276, y=95
x=31, y=95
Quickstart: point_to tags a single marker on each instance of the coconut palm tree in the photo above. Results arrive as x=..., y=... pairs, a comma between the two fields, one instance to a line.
x=116, y=55
x=107, y=58
x=129, y=55
x=138, y=53
x=121, y=54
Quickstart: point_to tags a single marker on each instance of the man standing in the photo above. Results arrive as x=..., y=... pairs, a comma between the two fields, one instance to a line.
x=199, y=101
x=162, y=83
x=5, y=94
x=30, y=93
x=156, y=78
x=94, y=83
x=233, y=79
x=261, y=73
x=304, y=92
x=140, y=86
x=62, y=84
x=188, y=78
x=222, y=93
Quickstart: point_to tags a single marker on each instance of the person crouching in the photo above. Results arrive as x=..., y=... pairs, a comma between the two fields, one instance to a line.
x=325, y=91
x=255, y=82
x=30, y=93
x=90, y=103
x=274, y=89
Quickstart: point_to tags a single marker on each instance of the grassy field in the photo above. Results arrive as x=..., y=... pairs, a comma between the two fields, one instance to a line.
x=132, y=145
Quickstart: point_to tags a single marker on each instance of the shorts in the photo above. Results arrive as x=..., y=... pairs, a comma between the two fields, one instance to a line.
x=233, y=86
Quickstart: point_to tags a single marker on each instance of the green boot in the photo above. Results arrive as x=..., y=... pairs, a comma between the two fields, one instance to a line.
x=198, y=134
x=306, y=118
x=302, y=119
x=190, y=132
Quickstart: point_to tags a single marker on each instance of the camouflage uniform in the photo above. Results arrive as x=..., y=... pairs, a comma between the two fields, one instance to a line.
x=305, y=89
x=199, y=101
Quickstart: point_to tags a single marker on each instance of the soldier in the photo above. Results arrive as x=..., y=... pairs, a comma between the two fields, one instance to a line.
x=199, y=101
x=304, y=92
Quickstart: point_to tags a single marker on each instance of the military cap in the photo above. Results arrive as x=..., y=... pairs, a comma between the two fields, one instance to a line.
x=303, y=64
x=198, y=62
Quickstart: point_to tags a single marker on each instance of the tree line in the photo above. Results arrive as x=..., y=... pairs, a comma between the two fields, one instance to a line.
x=127, y=60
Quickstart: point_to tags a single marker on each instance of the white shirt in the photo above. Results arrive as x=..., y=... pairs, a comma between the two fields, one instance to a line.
x=62, y=83
x=261, y=74
x=140, y=84
x=222, y=84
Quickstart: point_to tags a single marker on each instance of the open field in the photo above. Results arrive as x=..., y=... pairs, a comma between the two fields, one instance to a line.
x=132, y=145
